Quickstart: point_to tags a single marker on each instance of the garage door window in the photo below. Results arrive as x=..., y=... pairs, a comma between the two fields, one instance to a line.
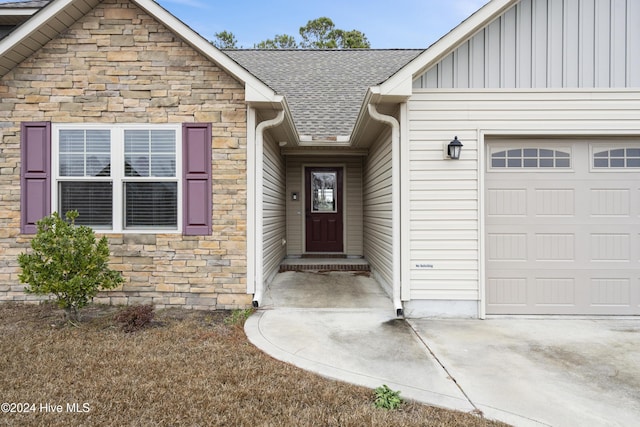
x=528, y=158
x=616, y=158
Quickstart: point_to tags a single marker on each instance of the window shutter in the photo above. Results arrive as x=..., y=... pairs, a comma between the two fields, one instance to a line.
x=196, y=154
x=35, y=177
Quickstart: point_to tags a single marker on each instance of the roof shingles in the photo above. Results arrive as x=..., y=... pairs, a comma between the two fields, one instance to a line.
x=24, y=4
x=324, y=88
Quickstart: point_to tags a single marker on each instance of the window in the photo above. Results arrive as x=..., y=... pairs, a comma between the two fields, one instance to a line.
x=616, y=158
x=324, y=192
x=118, y=178
x=529, y=158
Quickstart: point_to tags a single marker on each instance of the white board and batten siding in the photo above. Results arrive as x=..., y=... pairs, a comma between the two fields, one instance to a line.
x=378, y=208
x=548, y=44
x=274, y=208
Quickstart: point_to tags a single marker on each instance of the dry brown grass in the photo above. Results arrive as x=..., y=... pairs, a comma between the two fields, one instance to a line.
x=188, y=368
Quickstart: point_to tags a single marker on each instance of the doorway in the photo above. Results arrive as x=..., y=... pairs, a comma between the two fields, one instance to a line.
x=324, y=209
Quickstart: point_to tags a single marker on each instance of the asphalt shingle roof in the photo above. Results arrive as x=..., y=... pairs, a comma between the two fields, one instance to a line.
x=24, y=4
x=324, y=88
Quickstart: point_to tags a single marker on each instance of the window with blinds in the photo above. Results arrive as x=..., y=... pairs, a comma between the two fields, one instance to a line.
x=119, y=178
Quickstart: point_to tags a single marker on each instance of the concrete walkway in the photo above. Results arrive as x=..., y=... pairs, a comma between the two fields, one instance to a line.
x=526, y=372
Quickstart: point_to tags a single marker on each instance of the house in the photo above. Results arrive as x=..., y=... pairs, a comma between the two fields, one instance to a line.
x=206, y=168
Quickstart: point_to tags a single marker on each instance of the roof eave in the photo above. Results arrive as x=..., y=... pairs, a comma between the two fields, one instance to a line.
x=401, y=83
x=9, y=57
x=18, y=11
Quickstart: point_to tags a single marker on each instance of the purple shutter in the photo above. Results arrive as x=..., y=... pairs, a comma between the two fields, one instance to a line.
x=35, y=176
x=196, y=154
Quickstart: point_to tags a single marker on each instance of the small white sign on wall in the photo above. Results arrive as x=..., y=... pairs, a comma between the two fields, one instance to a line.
x=423, y=266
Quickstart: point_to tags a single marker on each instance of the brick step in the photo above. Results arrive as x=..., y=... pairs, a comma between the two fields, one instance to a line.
x=308, y=264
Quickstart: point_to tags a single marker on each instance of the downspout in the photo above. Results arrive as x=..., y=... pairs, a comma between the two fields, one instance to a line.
x=395, y=199
x=259, y=196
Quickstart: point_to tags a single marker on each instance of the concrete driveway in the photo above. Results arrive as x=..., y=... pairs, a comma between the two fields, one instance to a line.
x=559, y=372
x=551, y=371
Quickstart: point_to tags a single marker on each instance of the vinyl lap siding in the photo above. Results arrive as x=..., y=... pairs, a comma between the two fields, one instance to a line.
x=295, y=209
x=548, y=43
x=353, y=205
x=445, y=210
x=274, y=206
x=443, y=230
x=377, y=198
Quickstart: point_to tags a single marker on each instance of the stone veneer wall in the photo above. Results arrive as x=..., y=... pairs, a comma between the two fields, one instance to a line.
x=118, y=65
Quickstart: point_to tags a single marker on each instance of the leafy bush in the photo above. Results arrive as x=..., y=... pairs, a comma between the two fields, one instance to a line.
x=67, y=262
x=387, y=398
x=135, y=317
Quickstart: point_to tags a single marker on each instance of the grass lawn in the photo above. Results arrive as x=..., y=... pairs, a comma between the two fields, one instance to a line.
x=188, y=368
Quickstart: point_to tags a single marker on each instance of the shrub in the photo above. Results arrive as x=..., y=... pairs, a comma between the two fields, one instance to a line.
x=135, y=317
x=66, y=261
x=387, y=398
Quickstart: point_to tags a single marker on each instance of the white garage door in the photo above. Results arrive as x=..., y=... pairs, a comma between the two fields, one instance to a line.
x=562, y=227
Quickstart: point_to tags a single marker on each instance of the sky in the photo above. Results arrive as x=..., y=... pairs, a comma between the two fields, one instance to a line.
x=387, y=24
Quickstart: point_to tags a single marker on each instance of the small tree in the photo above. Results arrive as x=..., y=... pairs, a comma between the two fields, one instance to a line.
x=68, y=262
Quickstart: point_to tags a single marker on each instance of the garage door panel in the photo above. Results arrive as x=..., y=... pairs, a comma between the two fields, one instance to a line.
x=508, y=202
x=507, y=246
x=555, y=291
x=554, y=202
x=610, y=202
x=559, y=292
x=561, y=240
x=555, y=247
x=507, y=291
x=610, y=247
x=611, y=292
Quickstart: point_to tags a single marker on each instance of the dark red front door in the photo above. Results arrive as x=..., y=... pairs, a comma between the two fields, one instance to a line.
x=323, y=209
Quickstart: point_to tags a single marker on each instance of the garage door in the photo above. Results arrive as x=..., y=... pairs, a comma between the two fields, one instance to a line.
x=562, y=227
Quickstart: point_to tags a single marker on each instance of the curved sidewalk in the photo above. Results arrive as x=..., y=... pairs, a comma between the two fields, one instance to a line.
x=342, y=326
x=366, y=347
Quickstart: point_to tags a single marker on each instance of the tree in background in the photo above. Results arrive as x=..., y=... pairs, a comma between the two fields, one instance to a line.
x=225, y=40
x=280, y=41
x=320, y=33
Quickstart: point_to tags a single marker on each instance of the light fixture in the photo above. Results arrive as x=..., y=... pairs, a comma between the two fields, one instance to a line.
x=454, y=148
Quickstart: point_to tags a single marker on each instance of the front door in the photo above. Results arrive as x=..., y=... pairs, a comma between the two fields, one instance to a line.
x=323, y=209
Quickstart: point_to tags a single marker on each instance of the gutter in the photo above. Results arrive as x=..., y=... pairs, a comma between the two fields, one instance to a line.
x=259, y=196
x=395, y=198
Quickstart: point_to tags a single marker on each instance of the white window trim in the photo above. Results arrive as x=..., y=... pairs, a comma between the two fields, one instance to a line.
x=117, y=171
x=598, y=147
x=497, y=147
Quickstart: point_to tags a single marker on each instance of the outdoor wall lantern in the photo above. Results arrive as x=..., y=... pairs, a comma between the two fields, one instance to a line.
x=454, y=148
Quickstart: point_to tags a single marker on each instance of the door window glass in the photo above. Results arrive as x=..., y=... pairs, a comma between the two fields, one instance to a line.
x=323, y=185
